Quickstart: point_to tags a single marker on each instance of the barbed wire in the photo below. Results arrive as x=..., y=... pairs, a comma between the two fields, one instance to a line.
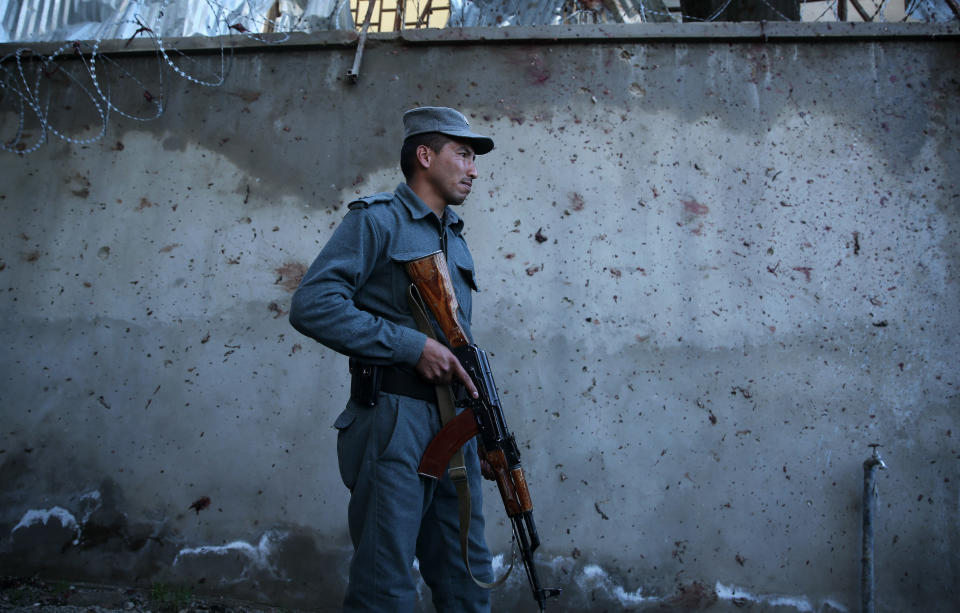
x=28, y=79
x=595, y=11
x=23, y=86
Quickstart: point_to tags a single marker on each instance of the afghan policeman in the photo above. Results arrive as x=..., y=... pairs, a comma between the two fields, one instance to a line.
x=353, y=299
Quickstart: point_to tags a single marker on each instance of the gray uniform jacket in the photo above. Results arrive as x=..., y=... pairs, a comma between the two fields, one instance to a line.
x=353, y=298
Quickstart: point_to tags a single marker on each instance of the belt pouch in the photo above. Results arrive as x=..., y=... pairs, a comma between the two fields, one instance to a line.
x=365, y=381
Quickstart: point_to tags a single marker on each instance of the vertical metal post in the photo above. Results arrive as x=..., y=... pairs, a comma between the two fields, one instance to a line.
x=869, y=508
x=354, y=73
x=399, y=15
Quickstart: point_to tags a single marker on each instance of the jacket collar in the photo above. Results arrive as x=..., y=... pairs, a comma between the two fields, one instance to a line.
x=418, y=210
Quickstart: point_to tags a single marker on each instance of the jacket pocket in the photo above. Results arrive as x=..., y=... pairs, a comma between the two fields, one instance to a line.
x=402, y=257
x=349, y=447
x=385, y=423
x=469, y=277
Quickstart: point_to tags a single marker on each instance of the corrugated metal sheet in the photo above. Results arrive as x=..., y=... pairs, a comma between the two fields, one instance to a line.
x=63, y=20
x=554, y=12
x=505, y=13
x=53, y=20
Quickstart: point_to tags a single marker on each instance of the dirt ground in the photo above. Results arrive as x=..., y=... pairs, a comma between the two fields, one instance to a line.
x=22, y=595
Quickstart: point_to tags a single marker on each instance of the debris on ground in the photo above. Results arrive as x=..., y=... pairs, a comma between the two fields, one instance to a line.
x=22, y=594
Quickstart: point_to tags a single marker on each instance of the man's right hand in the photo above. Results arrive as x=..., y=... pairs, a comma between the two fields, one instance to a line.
x=437, y=364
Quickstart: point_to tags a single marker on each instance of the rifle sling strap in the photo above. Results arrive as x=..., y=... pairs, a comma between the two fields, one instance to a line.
x=458, y=468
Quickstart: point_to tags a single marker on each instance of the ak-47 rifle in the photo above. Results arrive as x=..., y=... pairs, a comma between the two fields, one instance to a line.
x=482, y=415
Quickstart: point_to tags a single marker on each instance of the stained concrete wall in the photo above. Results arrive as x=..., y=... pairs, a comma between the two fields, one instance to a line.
x=714, y=269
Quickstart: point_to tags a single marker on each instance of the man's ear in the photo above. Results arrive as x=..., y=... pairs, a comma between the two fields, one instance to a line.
x=424, y=156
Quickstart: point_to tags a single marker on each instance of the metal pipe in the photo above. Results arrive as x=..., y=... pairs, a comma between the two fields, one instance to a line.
x=354, y=73
x=869, y=508
x=955, y=7
x=863, y=13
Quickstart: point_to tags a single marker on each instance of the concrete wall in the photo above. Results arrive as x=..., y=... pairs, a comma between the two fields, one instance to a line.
x=749, y=274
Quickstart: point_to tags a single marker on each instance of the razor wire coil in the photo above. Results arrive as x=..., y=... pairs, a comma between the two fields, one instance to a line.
x=22, y=89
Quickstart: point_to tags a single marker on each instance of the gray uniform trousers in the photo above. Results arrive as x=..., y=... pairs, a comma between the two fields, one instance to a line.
x=395, y=514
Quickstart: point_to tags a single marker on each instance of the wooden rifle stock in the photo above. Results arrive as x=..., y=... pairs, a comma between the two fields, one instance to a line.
x=432, y=278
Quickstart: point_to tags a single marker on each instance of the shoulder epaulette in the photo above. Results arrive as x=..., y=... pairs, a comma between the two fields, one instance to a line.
x=366, y=201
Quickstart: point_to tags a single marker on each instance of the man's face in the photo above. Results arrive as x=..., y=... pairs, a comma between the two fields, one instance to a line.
x=452, y=172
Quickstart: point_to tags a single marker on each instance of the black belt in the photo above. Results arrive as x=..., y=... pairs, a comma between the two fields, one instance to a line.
x=396, y=381
x=368, y=380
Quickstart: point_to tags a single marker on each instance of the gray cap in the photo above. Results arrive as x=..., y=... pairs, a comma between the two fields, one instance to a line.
x=445, y=121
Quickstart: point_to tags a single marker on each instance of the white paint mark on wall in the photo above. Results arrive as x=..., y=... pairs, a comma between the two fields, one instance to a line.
x=420, y=583
x=593, y=577
x=89, y=503
x=43, y=516
x=800, y=603
x=500, y=565
x=92, y=498
x=258, y=556
x=499, y=568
